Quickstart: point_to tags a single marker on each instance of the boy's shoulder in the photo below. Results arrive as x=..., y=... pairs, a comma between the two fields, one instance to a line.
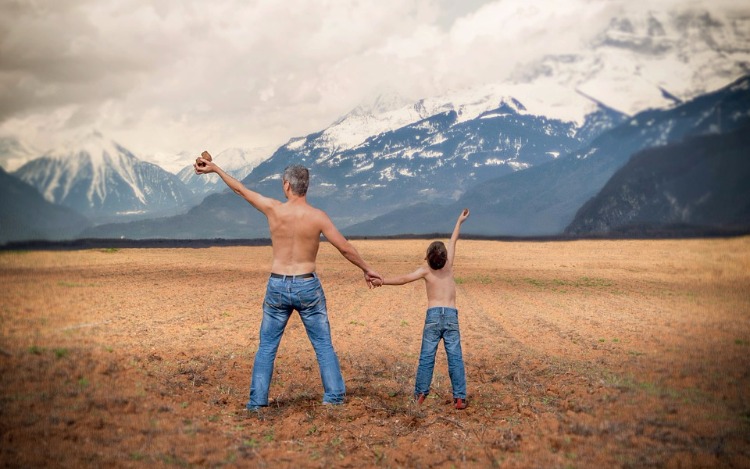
x=446, y=270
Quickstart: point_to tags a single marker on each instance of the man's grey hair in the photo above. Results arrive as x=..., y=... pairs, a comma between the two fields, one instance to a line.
x=298, y=178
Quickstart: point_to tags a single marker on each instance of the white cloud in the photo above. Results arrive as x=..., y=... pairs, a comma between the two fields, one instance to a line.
x=174, y=75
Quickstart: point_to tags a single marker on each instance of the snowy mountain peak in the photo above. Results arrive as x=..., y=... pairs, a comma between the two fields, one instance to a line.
x=98, y=156
x=100, y=178
x=390, y=113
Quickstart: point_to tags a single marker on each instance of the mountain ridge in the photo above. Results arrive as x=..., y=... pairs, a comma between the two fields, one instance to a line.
x=104, y=181
x=543, y=200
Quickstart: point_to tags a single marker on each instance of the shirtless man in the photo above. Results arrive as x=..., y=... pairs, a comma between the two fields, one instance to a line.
x=295, y=229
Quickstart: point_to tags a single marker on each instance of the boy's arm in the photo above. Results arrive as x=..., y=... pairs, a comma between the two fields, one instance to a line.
x=454, y=237
x=260, y=202
x=403, y=279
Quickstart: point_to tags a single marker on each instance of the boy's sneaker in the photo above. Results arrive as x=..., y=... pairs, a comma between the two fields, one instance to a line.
x=460, y=403
x=420, y=398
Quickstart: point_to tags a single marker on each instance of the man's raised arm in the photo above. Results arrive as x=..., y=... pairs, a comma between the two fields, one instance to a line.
x=260, y=202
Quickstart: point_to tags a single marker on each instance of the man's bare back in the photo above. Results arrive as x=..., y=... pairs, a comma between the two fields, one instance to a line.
x=295, y=235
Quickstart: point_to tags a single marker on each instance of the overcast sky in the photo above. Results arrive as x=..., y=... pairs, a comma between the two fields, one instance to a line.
x=165, y=76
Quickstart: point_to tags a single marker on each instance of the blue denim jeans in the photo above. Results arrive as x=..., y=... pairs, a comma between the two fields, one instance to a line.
x=441, y=323
x=283, y=296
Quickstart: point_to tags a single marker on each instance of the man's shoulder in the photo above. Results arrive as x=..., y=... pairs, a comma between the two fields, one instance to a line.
x=317, y=213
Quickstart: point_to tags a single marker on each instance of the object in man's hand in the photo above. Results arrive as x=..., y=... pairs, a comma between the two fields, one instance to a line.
x=206, y=156
x=466, y=212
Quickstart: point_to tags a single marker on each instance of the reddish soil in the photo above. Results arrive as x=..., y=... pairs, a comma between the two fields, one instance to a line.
x=578, y=354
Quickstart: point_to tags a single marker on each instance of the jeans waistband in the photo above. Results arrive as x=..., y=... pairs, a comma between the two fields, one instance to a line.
x=442, y=309
x=293, y=277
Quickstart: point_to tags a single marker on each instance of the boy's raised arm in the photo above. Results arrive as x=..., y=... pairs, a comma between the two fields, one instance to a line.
x=454, y=237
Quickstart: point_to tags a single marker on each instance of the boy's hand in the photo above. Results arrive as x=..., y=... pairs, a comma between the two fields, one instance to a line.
x=377, y=282
x=464, y=215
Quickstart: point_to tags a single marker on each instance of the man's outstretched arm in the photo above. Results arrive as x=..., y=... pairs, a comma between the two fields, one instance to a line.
x=347, y=250
x=260, y=202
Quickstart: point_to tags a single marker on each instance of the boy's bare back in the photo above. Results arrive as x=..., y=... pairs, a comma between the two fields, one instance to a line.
x=441, y=288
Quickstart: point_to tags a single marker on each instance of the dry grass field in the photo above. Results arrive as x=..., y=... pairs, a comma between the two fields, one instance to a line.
x=578, y=354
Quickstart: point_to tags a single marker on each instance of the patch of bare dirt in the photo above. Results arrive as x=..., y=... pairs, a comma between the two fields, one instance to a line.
x=578, y=354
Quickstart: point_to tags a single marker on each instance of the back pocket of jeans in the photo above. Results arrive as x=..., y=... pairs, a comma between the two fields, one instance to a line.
x=451, y=326
x=311, y=298
x=273, y=299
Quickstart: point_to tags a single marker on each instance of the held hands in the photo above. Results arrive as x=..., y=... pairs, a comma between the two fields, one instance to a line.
x=373, y=279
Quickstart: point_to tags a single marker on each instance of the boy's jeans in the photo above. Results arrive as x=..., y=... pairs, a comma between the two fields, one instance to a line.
x=441, y=323
x=283, y=296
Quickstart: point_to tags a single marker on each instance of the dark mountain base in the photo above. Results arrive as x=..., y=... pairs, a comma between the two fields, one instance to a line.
x=95, y=243
x=632, y=232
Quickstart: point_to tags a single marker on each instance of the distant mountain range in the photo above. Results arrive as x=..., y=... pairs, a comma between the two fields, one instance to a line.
x=543, y=200
x=435, y=159
x=525, y=155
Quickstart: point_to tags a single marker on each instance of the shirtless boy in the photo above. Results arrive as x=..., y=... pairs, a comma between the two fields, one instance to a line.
x=441, y=321
x=295, y=229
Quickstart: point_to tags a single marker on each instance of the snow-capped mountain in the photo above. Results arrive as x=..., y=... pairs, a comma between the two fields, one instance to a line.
x=104, y=181
x=544, y=199
x=433, y=159
x=237, y=162
x=650, y=60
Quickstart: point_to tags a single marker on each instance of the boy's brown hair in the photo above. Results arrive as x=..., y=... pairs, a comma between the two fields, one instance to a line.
x=437, y=255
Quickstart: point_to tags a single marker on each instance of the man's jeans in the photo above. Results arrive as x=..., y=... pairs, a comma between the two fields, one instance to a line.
x=283, y=296
x=441, y=323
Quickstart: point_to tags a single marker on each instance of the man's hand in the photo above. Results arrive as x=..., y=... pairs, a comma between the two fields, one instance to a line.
x=203, y=166
x=373, y=279
x=206, y=156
